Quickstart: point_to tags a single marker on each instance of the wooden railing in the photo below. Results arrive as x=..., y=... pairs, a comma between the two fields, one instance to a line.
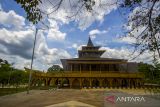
x=90, y=74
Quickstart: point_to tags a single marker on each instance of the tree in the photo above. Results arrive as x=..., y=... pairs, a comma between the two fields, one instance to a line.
x=157, y=71
x=54, y=68
x=5, y=69
x=10, y=75
x=151, y=72
x=147, y=70
x=144, y=22
x=32, y=9
x=35, y=13
x=18, y=77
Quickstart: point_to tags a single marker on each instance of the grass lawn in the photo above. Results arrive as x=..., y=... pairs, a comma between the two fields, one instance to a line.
x=6, y=91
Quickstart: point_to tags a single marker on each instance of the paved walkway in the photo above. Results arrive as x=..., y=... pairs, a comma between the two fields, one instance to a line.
x=71, y=104
x=73, y=98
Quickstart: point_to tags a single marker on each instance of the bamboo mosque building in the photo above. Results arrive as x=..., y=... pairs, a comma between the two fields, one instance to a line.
x=90, y=70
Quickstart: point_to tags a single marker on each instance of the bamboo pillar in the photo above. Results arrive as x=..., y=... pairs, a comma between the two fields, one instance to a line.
x=128, y=82
x=53, y=81
x=71, y=85
x=131, y=84
x=100, y=67
x=136, y=84
x=90, y=82
x=90, y=68
x=110, y=82
x=45, y=82
x=100, y=82
x=70, y=82
x=48, y=82
x=80, y=68
x=80, y=83
x=71, y=67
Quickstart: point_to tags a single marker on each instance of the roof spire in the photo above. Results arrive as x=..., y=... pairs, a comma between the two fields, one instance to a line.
x=90, y=42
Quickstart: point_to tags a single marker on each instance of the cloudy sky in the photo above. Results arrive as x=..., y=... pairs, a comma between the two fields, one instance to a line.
x=64, y=37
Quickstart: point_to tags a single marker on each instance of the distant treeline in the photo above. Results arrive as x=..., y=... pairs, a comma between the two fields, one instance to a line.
x=151, y=72
x=9, y=76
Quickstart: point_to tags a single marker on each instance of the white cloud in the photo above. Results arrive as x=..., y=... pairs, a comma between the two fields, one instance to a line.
x=75, y=45
x=70, y=11
x=54, y=33
x=72, y=46
x=95, y=32
x=50, y=55
x=60, y=16
x=126, y=39
x=18, y=62
x=16, y=45
x=11, y=19
x=80, y=47
x=19, y=44
x=125, y=53
x=101, y=8
x=53, y=24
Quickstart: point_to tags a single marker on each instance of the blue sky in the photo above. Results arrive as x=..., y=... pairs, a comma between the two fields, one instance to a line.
x=61, y=42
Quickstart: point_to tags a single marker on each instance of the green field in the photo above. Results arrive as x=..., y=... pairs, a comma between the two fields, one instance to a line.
x=6, y=91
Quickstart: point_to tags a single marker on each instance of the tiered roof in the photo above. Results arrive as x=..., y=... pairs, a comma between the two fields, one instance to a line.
x=90, y=51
